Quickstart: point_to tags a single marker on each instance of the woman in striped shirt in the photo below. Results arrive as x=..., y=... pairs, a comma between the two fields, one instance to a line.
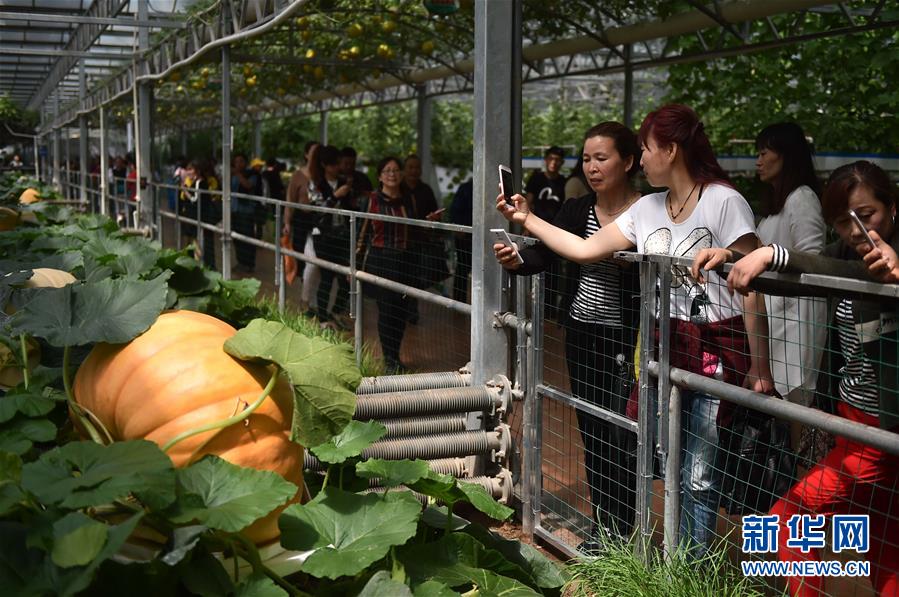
x=852, y=478
x=601, y=323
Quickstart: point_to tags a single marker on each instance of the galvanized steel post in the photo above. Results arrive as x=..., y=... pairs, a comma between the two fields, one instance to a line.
x=104, y=165
x=144, y=133
x=83, y=151
x=645, y=410
x=226, y=157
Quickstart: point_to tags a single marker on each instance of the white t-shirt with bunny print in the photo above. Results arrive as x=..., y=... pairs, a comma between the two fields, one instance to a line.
x=720, y=218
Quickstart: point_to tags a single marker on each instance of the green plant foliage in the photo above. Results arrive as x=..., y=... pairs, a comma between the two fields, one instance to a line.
x=348, y=531
x=381, y=584
x=393, y=472
x=112, y=311
x=77, y=540
x=324, y=375
x=447, y=489
x=432, y=588
x=258, y=585
x=81, y=474
x=544, y=573
x=223, y=496
x=350, y=442
x=839, y=89
x=620, y=572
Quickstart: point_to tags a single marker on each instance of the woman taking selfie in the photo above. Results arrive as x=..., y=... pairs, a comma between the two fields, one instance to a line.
x=864, y=369
x=700, y=209
x=601, y=323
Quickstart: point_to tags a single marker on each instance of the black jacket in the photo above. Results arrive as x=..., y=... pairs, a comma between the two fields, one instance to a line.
x=572, y=217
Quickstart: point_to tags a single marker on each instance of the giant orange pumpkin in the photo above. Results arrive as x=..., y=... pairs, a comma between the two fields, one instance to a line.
x=176, y=377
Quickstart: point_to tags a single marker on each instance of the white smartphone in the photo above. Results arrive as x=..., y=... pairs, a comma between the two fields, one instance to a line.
x=502, y=237
x=505, y=184
x=861, y=227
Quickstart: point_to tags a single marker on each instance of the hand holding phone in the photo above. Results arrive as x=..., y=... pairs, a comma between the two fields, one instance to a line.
x=502, y=237
x=861, y=227
x=505, y=184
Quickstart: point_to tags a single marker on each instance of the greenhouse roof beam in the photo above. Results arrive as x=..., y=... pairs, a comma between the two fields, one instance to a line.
x=82, y=39
x=90, y=20
x=65, y=53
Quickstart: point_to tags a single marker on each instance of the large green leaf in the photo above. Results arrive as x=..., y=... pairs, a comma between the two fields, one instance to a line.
x=10, y=468
x=82, y=474
x=18, y=436
x=126, y=257
x=182, y=541
x=459, y=560
x=324, y=375
x=449, y=490
x=483, y=501
x=259, y=585
x=230, y=497
x=380, y=584
x=348, y=531
x=432, y=588
x=77, y=539
x=32, y=403
x=393, y=472
x=545, y=573
x=350, y=442
x=113, y=311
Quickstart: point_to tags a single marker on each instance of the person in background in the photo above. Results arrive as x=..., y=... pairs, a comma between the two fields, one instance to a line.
x=210, y=207
x=460, y=213
x=862, y=374
x=298, y=224
x=261, y=211
x=545, y=193
x=600, y=328
x=16, y=162
x=425, y=244
x=388, y=257
x=246, y=181
x=358, y=180
x=712, y=334
x=332, y=241
x=795, y=325
x=576, y=183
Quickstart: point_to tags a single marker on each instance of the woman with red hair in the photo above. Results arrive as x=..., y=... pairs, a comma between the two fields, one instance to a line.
x=712, y=333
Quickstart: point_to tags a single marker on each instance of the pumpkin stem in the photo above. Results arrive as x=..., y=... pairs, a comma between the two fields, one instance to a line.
x=70, y=398
x=244, y=414
x=24, y=359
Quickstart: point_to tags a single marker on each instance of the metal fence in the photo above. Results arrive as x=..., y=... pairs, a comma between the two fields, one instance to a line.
x=413, y=298
x=600, y=449
x=600, y=458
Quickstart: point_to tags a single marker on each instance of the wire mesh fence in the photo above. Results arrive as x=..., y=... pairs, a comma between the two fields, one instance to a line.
x=331, y=264
x=686, y=456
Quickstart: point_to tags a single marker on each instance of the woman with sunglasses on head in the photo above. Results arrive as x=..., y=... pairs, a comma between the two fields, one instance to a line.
x=389, y=258
x=600, y=323
x=712, y=333
x=862, y=372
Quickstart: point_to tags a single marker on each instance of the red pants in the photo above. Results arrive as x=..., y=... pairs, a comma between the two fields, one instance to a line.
x=851, y=479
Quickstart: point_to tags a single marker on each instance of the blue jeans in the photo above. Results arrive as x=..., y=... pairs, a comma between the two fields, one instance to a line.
x=700, y=478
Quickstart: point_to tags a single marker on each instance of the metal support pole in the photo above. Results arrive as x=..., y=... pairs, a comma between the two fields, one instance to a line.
x=356, y=304
x=535, y=375
x=226, y=158
x=515, y=94
x=104, y=165
x=67, y=188
x=494, y=42
x=83, y=148
x=671, y=521
x=523, y=381
x=147, y=210
x=257, y=138
x=424, y=114
x=55, y=174
x=628, y=88
x=279, y=260
x=645, y=410
x=323, y=127
x=37, y=158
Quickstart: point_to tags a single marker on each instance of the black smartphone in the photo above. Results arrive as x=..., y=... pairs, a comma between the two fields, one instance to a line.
x=505, y=183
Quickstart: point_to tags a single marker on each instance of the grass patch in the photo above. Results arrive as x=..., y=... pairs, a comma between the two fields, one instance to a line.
x=619, y=572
